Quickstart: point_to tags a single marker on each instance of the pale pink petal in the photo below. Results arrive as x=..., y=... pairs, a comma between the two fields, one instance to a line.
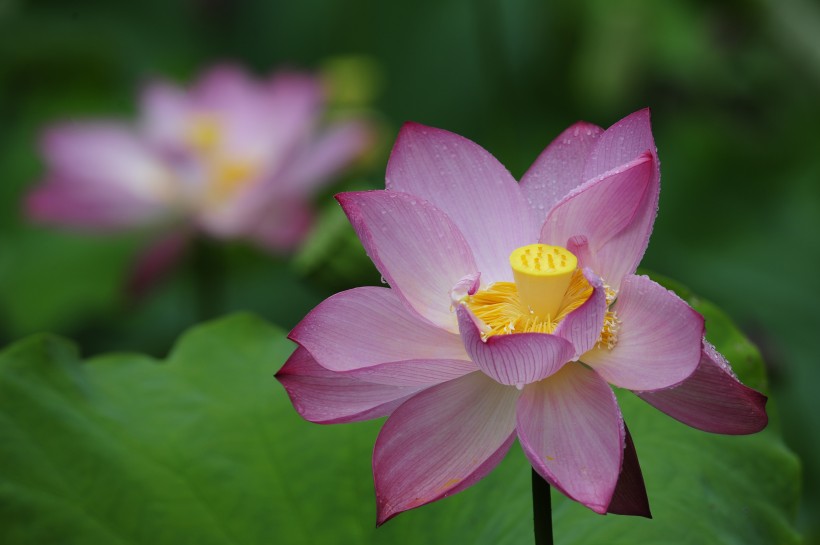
x=659, y=338
x=274, y=209
x=165, y=115
x=326, y=397
x=471, y=187
x=571, y=429
x=516, y=359
x=417, y=248
x=105, y=156
x=92, y=206
x=332, y=150
x=261, y=120
x=368, y=326
x=630, y=496
x=712, y=399
x=601, y=211
x=620, y=144
x=156, y=262
x=441, y=441
x=558, y=170
x=582, y=327
x=281, y=226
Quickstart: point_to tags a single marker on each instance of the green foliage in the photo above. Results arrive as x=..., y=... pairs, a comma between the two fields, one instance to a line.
x=205, y=448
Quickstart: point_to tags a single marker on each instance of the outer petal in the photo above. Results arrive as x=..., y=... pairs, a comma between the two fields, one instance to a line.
x=165, y=115
x=470, y=186
x=582, y=327
x=335, y=148
x=92, y=206
x=620, y=143
x=558, y=170
x=416, y=247
x=571, y=429
x=516, y=359
x=659, y=339
x=364, y=327
x=630, y=496
x=442, y=441
x=326, y=397
x=601, y=211
x=282, y=225
x=101, y=176
x=712, y=399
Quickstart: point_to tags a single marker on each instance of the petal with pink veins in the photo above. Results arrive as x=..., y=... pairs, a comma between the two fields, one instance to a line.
x=712, y=399
x=417, y=248
x=601, y=210
x=658, y=340
x=362, y=328
x=515, y=359
x=582, y=327
x=558, y=170
x=442, y=441
x=620, y=144
x=326, y=397
x=471, y=187
x=571, y=429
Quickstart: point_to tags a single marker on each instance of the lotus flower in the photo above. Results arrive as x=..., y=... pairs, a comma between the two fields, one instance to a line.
x=232, y=157
x=512, y=308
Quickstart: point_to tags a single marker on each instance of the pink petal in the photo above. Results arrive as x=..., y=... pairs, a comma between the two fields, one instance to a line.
x=281, y=226
x=262, y=120
x=630, y=496
x=712, y=399
x=442, y=441
x=83, y=205
x=620, y=144
x=515, y=359
x=165, y=111
x=571, y=429
x=604, y=211
x=659, y=338
x=326, y=397
x=330, y=151
x=471, y=187
x=416, y=247
x=364, y=327
x=559, y=169
x=582, y=327
x=101, y=176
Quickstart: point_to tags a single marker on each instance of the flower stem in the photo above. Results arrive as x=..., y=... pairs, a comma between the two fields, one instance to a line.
x=541, y=510
x=209, y=278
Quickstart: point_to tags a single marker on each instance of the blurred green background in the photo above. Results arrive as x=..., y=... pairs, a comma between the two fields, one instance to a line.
x=733, y=89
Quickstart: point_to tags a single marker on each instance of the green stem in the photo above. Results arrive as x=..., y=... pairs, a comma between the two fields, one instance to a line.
x=541, y=510
x=209, y=272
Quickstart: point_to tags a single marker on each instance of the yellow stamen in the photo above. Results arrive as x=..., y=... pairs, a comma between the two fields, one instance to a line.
x=504, y=309
x=543, y=274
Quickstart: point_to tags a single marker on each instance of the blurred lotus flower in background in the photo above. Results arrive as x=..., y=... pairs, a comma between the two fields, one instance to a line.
x=231, y=157
x=511, y=310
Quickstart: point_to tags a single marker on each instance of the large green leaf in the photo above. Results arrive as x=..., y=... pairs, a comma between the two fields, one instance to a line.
x=205, y=448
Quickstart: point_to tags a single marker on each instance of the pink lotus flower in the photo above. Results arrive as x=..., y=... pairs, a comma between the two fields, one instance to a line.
x=232, y=157
x=512, y=309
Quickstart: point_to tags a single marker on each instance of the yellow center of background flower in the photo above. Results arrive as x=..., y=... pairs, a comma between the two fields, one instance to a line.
x=227, y=174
